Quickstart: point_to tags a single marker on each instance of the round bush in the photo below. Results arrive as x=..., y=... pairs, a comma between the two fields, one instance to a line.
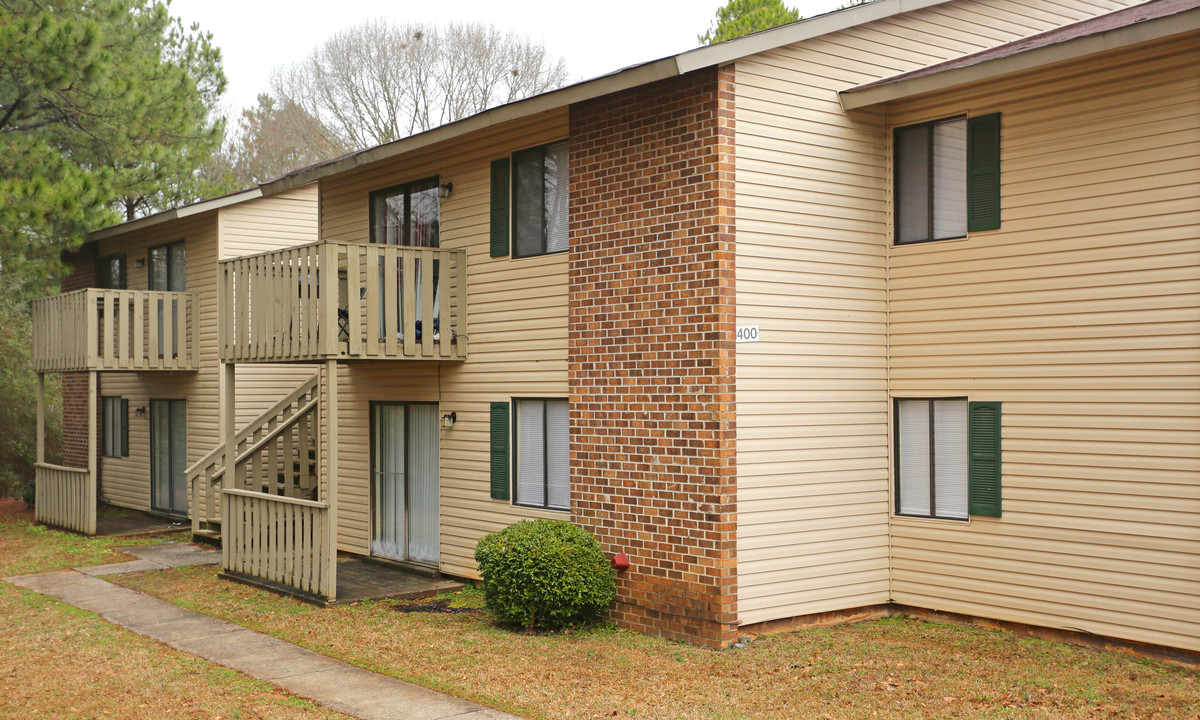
x=545, y=574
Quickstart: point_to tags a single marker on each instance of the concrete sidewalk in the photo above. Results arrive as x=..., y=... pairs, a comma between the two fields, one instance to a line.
x=349, y=689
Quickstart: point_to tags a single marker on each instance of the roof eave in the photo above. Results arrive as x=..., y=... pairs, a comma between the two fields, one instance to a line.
x=1117, y=38
x=178, y=213
x=719, y=54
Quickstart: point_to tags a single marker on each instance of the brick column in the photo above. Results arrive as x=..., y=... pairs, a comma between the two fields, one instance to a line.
x=651, y=359
x=75, y=384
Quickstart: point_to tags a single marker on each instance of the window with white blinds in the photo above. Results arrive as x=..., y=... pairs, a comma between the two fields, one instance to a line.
x=932, y=458
x=931, y=181
x=543, y=454
x=114, y=439
x=541, y=198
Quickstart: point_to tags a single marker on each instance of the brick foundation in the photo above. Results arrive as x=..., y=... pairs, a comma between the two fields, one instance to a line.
x=651, y=358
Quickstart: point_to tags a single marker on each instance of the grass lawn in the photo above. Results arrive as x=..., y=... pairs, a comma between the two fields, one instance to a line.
x=893, y=668
x=57, y=661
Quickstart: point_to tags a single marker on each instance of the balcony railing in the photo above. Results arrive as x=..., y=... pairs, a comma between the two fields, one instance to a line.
x=97, y=329
x=345, y=301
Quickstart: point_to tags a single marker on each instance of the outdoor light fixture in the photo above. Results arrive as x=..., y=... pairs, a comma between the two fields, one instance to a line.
x=448, y=419
x=139, y=262
x=445, y=190
x=140, y=412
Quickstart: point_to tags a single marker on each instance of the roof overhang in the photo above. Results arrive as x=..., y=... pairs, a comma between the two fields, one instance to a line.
x=178, y=213
x=1117, y=38
x=628, y=78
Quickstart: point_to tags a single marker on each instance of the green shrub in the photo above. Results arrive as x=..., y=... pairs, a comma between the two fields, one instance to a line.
x=546, y=574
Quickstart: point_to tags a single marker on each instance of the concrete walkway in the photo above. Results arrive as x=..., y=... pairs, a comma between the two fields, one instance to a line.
x=349, y=689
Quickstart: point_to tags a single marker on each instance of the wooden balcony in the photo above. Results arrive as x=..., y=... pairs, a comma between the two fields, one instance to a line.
x=345, y=301
x=97, y=329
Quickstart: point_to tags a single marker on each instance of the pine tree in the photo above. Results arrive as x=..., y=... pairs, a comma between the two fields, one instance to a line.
x=742, y=17
x=104, y=114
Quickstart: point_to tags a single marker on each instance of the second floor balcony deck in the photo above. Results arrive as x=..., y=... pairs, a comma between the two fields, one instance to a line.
x=115, y=330
x=345, y=301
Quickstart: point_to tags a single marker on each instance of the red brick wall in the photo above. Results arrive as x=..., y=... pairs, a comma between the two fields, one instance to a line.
x=75, y=384
x=651, y=358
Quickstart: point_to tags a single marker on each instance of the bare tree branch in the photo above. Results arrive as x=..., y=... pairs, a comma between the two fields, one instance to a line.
x=378, y=82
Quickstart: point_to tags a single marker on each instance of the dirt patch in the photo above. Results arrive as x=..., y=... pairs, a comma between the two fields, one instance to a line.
x=14, y=509
x=433, y=606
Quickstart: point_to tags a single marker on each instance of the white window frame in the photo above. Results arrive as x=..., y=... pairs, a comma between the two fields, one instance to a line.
x=562, y=483
x=948, y=448
x=952, y=191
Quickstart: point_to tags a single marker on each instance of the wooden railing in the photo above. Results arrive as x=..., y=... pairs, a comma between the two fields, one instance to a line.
x=276, y=453
x=345, y=300
x=65, y=497
x=278, y=539
x=97, y=329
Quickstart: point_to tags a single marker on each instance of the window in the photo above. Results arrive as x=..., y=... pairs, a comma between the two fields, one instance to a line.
x=115, y=437
x=543, y=476
x=168, y=267
x=947, y=458
x=406, y=214
x=110, y=272
x=540, y=200
x=947, y=178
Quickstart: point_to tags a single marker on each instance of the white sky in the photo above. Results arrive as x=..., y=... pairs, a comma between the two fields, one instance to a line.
x=594, y=38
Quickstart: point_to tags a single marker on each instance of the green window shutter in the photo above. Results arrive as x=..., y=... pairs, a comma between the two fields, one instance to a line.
x=124, y=410
x=499, y=209
x=499, y=453
x=984, y=452
x=983, y=172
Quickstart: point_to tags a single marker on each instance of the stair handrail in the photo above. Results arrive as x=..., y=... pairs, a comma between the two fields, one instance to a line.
x=253, y=425
x=195, y=470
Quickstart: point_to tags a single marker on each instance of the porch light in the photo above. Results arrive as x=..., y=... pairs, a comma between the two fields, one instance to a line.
x=140, y=412
x=444, y=191
x=139, y=262
x=449, y=419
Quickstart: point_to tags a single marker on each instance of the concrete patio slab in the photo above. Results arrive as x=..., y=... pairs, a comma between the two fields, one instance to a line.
x=335, y=684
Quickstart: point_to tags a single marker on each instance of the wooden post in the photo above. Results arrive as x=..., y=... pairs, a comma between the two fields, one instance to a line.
x=331, y=459
x=41, y=418
x=89, y=508
x=229, y=426
x=328, y=324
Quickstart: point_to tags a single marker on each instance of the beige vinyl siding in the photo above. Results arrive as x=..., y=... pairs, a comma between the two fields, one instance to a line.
x=261, y=225
x=126, y=481
x=253, y=226
x=812, y=233
x=517, y=310
x=270, y=223
x=1081, y=314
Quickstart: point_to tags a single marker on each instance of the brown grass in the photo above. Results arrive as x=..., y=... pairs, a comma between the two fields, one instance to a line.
x=893, y=668
x=29, y=548
x=57, y=661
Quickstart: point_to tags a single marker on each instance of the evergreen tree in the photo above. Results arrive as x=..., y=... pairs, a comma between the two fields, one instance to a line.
x=104, y=114
x=742, y=17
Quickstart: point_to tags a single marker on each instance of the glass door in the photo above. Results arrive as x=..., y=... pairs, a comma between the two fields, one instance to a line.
x=404, y=488
x=168, y=456
x=168, y=271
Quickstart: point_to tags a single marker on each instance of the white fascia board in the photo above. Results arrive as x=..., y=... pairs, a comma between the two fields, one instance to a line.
x=1076, y=48
x=831, y=22
x=644, y=74
x=178, y=213
x=546, y=102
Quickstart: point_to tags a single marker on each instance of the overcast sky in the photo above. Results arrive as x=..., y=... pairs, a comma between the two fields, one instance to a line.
x=594, y=38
